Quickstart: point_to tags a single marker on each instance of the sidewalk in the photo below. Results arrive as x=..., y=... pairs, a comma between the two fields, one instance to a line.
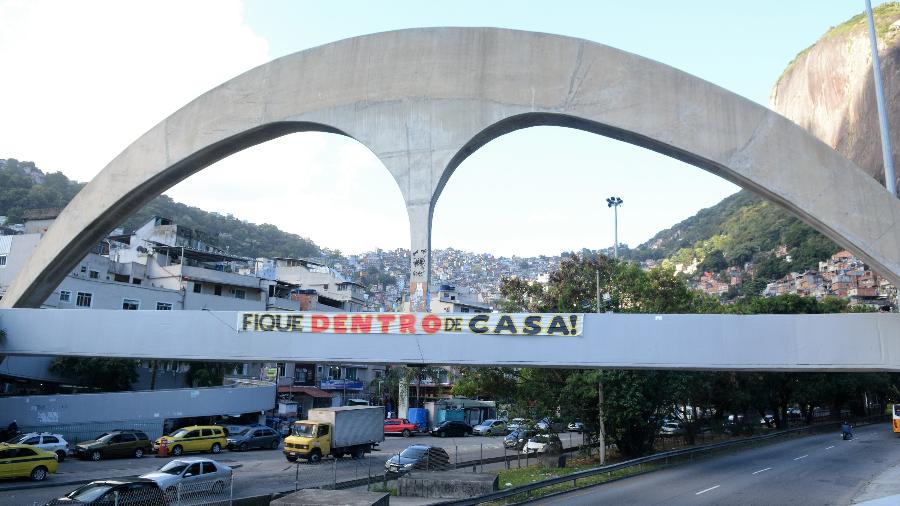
x=884, y=489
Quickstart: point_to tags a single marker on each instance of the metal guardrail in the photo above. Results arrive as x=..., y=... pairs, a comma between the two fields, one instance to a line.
x=587, y=473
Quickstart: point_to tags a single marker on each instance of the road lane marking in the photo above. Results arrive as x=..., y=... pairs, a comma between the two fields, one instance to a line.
x=830, y=447
x=762, y=470
x=802, y=457
x=707, y=490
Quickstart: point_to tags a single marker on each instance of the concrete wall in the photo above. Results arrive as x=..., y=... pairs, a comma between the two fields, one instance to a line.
x=423, y=100
x=721, y=342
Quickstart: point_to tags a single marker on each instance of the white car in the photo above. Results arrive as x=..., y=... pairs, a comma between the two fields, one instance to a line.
x=671, y=429
x=191, y=477
x=45, y=441
x=542, y=443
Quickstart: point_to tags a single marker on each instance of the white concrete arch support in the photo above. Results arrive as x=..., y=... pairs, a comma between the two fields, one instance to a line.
x=424, y=99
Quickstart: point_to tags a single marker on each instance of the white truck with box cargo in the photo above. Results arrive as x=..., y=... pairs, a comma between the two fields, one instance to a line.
x=351, y=430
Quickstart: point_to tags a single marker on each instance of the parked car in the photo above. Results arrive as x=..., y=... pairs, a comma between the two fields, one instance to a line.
x=24, y=461
x=253, y=437
x=45, y=441
x=671, y=429
x=550, y=424
x=120, y=492
x=576, y=427
x=517, y=438
x=194, y=475
x=399, y=426
x=117, y=443
x=452, y=428
x=542, y=443
x=519, y=423
x=196, y=438
x=491, y=427
x=429, y=458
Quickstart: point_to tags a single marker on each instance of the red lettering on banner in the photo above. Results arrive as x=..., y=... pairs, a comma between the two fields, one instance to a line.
x=407, y=324
x=340, y=324
x=385, y=320
x=431, y=324
x=361, y=324
x=320, y=323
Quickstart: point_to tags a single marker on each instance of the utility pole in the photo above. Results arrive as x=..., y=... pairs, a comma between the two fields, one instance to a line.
x=887, y=151
x=615, y=202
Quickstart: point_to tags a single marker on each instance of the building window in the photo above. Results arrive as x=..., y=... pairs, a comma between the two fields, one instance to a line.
x=464, y=310
x=218, y=290
x=350, y=373
x=120, y=278
x=198, y=287
x=131, y=304
x=163, y=306
x=136, y=281
x=334, y=372
x=94, y=275
x=65, y=296
x=240, y=294
x=83, y=299
x=2, y=260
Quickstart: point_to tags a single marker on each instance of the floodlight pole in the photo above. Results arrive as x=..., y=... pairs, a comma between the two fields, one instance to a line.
x=887, y=151
x=615, y=202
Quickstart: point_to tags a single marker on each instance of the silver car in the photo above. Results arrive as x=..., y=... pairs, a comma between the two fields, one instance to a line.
x=191, y=477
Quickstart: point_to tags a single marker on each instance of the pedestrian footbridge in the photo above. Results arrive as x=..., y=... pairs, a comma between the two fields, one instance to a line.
x=832, y=342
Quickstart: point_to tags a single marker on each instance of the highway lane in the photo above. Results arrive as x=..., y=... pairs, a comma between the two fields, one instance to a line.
x=821, y=470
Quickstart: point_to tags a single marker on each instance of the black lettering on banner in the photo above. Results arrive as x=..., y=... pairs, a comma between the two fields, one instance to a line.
x=287, y=323
x=452, y=324
x=532, y=326
x=264, y=325
x=246, y=320
x=296, y=323
x=505, y=325
x=476, y=320
x=558, y=325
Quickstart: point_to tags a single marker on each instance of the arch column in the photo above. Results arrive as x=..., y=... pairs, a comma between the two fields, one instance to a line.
x=419, y=256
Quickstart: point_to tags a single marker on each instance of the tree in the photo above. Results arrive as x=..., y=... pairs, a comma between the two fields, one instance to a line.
x=104, y=374
x=207, y=374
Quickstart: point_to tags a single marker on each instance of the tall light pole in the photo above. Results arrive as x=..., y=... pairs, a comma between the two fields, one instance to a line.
x=615, y=202
x=887, y=151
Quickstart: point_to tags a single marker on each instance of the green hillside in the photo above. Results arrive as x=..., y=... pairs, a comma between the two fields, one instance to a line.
x=23, y=186
x=742, y=228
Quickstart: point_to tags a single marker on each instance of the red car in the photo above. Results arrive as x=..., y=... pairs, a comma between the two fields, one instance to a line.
x=399, y=426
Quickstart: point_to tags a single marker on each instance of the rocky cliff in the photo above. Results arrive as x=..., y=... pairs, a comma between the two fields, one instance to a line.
x=829, y=90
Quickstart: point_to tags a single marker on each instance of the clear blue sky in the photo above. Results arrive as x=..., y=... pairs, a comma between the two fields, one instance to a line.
x=126, y=65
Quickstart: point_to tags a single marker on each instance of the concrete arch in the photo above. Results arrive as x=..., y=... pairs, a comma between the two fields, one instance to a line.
x=424, y=99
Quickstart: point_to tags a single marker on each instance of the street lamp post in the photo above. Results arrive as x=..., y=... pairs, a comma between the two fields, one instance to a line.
x=615, y=202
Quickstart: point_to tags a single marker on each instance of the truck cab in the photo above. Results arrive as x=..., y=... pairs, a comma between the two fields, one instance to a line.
x=308, y=440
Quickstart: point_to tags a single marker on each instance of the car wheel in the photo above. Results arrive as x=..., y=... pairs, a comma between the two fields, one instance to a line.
x=274, y=444
x=95, y=455
x=218, y=487
x=315, y=457
x=177, y=450
x=60, y=455
x=138, y=453
x=39, y=473
x=242, y=447
x=406, y=433
x=216, y=448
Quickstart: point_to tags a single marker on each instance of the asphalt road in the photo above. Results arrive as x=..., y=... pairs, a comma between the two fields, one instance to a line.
x=260, y=471
x=815, y=470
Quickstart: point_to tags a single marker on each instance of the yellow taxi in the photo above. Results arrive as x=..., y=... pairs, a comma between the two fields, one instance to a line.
x=196, y=438
x=26, y=461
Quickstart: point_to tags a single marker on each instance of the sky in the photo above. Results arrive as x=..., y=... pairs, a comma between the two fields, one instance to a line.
x=82, y=80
